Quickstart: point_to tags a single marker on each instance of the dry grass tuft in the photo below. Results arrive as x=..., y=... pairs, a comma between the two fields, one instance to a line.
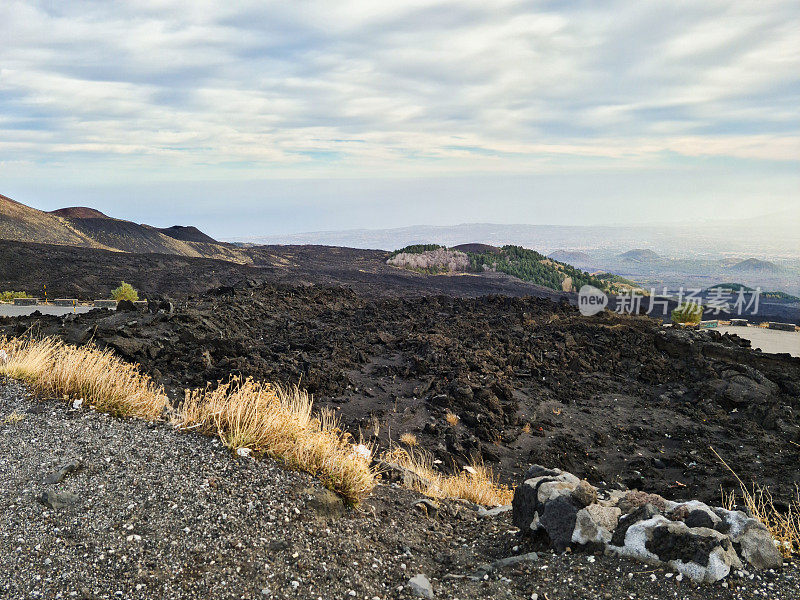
x=452, y=419
x=477, y=485
x=409, y=439
x=102, y=380
x=13, y=418
x=783, y=526
x=272, y=421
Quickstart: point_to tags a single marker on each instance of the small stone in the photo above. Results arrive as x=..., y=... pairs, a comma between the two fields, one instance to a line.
x=325, y=503
x=58, y=500
x=63, y=471
x=585, y=493
x=421, y=586
x=430, y=508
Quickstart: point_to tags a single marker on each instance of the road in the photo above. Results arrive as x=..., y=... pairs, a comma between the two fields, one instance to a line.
x=9, y=310
x=769, y=340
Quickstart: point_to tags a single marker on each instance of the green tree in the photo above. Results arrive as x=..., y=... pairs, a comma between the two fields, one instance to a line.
x=125, y=292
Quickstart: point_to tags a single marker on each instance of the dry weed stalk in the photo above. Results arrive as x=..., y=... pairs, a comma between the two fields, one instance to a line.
x=477, y=485
x=783, y=526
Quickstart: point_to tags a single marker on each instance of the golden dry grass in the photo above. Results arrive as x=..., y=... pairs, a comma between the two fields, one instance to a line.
x=477, y=484
x=451, y=418
x=409, y=439
x=269, y=420
x=783, y=526
x=245, y=414
x=96, y=376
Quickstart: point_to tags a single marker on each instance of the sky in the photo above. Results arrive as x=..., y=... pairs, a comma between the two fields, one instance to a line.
x=257, y=118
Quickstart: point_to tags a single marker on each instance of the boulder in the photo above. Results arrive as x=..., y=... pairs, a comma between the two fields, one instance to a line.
x=699, y=553
x=755, y=544
x=558, y=519
x=585, y=493
x=595, y=524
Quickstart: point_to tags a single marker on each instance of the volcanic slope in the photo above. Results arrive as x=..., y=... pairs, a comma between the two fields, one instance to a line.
x=90, y=228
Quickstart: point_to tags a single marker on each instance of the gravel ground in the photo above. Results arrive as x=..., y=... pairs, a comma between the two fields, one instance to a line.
x=158, y=514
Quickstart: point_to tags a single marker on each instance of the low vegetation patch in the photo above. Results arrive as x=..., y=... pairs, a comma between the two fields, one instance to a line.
x=95, y=376
x=476, y=483
x=265, y=419
x=434, y=261
x=517, y=261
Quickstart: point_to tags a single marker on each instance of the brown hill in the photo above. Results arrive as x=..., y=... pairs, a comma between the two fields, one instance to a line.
x=25, y=224
x=187, y=234
x=79, y=212
x=90, y=228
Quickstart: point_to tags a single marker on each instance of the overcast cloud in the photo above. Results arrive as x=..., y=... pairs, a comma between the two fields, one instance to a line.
x=136, y=102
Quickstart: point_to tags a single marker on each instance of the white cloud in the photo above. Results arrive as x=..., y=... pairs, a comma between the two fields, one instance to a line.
x=365, y=87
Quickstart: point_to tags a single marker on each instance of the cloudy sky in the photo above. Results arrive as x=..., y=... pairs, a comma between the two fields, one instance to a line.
x=252, y=118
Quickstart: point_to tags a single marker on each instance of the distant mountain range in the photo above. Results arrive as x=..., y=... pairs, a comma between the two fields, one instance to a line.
x=89, y=228
x=765, y=238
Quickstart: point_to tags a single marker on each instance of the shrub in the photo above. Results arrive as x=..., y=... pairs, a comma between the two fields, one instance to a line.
x=783, y=525
x=687, y=313
x=125, y=292
x=409, y=439
x=9, y=296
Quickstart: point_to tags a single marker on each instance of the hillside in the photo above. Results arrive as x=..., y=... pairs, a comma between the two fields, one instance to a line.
x=527, y=265
x=24, y=224
x=89, y=228
x=639, y=255
x=187, y=234
x=754, y=265
x=79, y=212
